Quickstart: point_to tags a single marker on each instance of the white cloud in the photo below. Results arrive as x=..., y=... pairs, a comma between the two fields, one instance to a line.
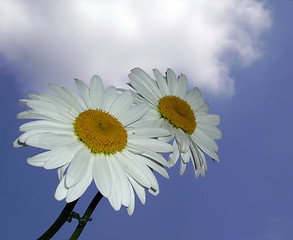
x=55, y=42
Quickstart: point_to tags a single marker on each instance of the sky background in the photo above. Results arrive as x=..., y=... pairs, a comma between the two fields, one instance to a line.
x=238, y=52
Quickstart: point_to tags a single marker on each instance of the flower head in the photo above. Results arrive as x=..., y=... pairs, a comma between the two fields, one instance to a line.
x=184, y=114
x=94, y=139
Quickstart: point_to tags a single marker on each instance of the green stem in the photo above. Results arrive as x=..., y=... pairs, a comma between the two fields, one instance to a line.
x=63, y=217
x=86, y=215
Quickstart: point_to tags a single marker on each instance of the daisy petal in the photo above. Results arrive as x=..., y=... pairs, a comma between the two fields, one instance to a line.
x=193, y=94
x=211, y=131
x=124, y=181
x=138, y=189
x=148, y=132
x=172, y=81
x=182, y=140
x=205, y=146
x=130, y=208
x=115, y=197
x=60, y=171
x=110, y=97
x=150, y=144
x=147, y=82
x=62, y=156
x=84, y=90
x=101, y=174
x=174, y=156
x=135, y=168
x=78, y=190
x=121, y=104
x=77, y=167
x=133, y=114
x=161, y=82
x=61, y=190
x=96, y=93
x=211, y=119
x=144, y=91
x=182, y=89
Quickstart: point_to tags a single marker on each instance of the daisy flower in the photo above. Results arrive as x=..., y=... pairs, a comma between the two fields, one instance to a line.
x=93, y=139
x=184, y=114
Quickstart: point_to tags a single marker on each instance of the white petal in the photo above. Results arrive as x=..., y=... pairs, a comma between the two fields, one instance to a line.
x=182, y=140
x=150, y=144
x=155, y=166
x=185, y=157
x=61, y=171
x=70, y=108
x=75, y=99
x=182, y=168
x=124, y=181
x=144, y=122
x=40, y=159
x=195, y=157
x=78, y=190
x=143, y=91
x=156, y=157
x=147, y=132
x=61, y=190
x=193, y=94
x=154, y=191
x=101, y=174
x=96, y=92
x=122, y=103
x=50, y=110
x=133, y=114
x=135, y=168
x=23, y=138
x=147, y=82
x=131, y=206
x=109, y=99
x=161, y=82
x=197, y=103
x=138, y=189
x=205, y=145
x=18, y=144
x=211, y=119
x=68, y=95
x=212, y=131
x=182, y=86
x=49, y=140
x=173, y=158
x=199, y=163
x=115, y=197
x=84, y=90
x=77, y=167
x=172, y=81
x=170, y=128
x=204, y=108
x=206, y=139
x=62, y=155
x=34, y=114
x=44, y=124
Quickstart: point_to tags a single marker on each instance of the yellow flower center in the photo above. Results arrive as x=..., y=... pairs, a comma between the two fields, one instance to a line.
x=178, y=112
x=100, y=131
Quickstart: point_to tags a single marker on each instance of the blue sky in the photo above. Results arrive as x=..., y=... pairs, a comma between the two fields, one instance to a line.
x=248, y=195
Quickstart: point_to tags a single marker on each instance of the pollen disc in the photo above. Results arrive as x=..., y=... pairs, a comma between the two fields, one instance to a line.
x=178, y=112
x=100, y=131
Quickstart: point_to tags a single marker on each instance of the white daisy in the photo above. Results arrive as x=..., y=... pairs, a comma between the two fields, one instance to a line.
x=184, y=114
x=93, y=139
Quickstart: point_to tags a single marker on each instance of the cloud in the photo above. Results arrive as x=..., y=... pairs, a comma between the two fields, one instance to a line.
x=55, y=42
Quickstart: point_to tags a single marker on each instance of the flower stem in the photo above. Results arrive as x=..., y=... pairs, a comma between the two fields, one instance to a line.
x=86, y=215
x=63, y=217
